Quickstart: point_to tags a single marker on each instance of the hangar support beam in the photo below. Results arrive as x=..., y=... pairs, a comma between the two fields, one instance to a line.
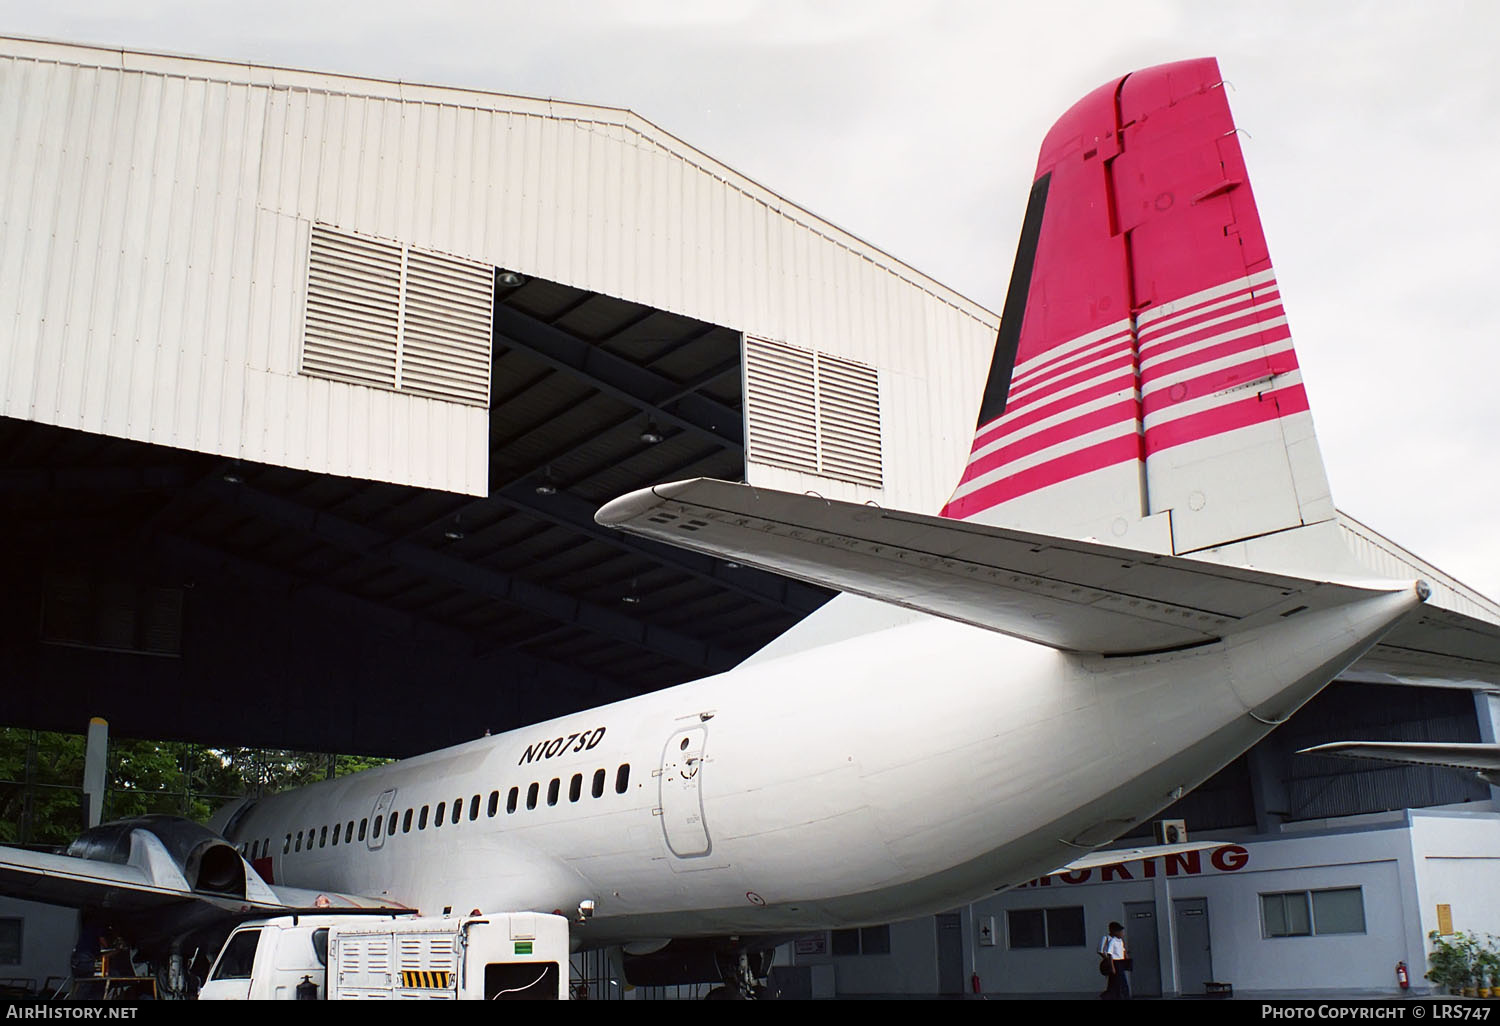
x=495, y=584
x=614, y=375
x=578, y=514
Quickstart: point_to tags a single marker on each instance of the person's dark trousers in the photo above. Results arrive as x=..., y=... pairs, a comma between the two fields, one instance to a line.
x=1118, y=988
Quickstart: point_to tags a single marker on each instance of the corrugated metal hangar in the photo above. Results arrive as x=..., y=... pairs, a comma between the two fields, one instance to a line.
x=312, y=378
x=310, y=387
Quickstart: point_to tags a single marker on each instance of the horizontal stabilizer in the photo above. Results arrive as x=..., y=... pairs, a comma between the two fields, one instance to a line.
x=1115, y=856
x=1482, y=758
x=1436, y=646
x=1073, y=595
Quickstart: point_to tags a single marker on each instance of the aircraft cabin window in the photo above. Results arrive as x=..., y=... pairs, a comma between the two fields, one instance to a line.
x=362, y=826
x=474, y=808
x=598, y=783
x=512, y=799
x=253, y=848
x=622, y=778
x=575, y=787
x=349, y=832
x=552, y=790
x=406, y=822
x=422, y=820
x=458, y=809
x=298, y=845
x=379, y=822
x=531, y=793
x=265, y=847
x=438, y=821
x=323, y=838
x=287, y=847
x=495, y=803
x=336, y=829
x=390, y=828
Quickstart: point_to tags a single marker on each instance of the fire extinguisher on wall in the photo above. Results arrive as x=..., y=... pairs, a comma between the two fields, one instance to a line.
x=1401, y=976
x=974, y=982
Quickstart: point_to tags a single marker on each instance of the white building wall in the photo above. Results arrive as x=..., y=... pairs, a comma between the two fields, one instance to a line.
x=1457, y=864
x=48, y=934
x=1404, y=863
x=154, y=217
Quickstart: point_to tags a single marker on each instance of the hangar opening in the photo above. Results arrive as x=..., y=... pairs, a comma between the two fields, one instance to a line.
x=186, y=596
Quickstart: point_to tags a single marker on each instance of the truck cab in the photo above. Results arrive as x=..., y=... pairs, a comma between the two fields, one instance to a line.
x=267, y=959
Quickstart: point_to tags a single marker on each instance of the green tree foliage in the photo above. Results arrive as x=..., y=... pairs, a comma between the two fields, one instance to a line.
x=41, y=776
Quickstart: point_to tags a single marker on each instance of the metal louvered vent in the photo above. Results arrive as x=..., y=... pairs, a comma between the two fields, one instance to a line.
x=388, y=315
x=848, y=420
x=780, y=403
x=812, y=412
x=353, y=308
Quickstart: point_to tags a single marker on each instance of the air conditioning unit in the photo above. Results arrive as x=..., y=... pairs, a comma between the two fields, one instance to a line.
x=1171, y=831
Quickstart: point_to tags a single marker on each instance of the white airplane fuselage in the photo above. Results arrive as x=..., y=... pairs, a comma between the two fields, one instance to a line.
x=894, y=774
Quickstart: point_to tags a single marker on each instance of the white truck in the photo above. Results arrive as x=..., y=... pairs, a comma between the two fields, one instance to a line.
x=506, y=956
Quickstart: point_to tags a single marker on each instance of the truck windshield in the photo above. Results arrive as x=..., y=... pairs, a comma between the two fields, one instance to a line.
x=238, y=957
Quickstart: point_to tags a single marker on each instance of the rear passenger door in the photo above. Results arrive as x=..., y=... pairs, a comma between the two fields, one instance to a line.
x=375, y=836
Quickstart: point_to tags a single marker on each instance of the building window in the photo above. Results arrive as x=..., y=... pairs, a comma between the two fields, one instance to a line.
x=845, y=942
x=10, y=941
x=1046, y=927
x=868, y=940
x=1313, y=913
x=1065, y=928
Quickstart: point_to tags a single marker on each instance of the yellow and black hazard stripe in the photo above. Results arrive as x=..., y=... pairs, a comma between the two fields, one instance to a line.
x=417, y=979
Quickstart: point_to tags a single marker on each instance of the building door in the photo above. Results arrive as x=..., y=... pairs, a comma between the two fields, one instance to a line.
x=1140, y=941
x=682, y=792
x=950, y=953
x=1195, y=964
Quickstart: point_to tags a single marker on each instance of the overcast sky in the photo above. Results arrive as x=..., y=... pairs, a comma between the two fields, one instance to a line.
x=1374, y=144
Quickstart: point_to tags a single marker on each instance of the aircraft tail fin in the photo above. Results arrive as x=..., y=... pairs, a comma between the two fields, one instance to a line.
x=1144, y=389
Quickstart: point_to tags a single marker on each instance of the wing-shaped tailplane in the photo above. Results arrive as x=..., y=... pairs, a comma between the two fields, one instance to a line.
x=1073, y=595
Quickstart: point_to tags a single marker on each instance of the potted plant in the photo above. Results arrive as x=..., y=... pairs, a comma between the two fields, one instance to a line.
x=1469, y=950
x=1448, y=965
x=1491, y=968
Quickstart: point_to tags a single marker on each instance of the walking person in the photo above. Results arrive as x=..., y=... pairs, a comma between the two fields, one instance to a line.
x=1112, y=964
